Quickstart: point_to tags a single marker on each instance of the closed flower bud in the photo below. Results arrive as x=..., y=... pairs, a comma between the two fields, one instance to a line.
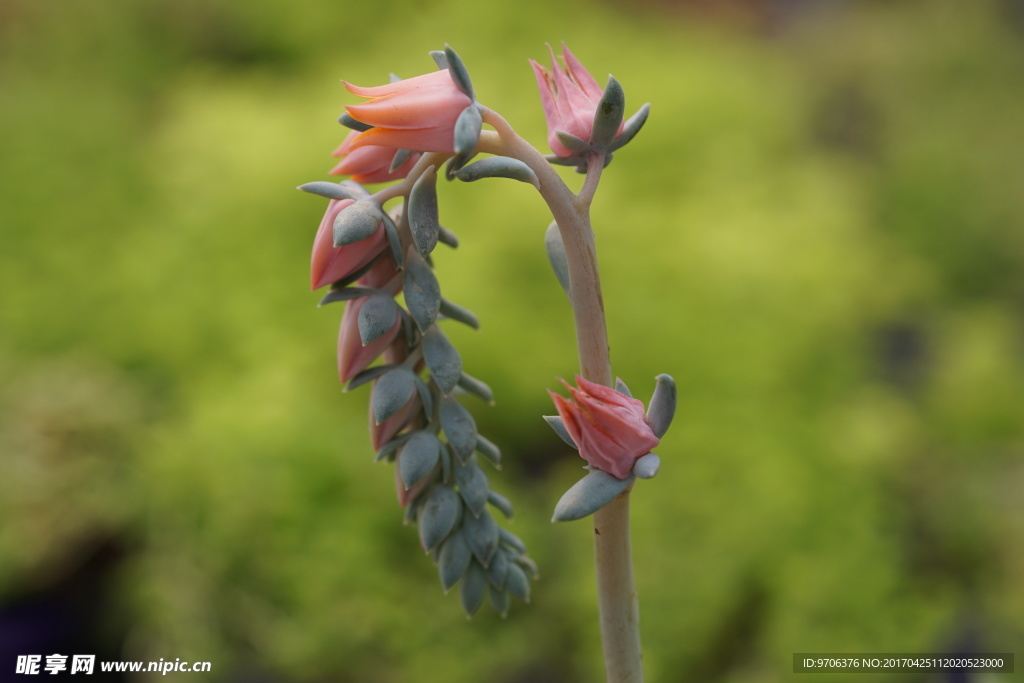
x=607, y=426
x=381, y=433
x=353, y=357
x=329, y=263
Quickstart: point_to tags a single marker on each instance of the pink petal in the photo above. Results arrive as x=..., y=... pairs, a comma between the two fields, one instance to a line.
x=567, y=411
x=433, y=79
x=581, y=76
x=420, y=108
x=547, y=95
x=367, y=169
x=609, y=395
x=343, y=147
x=439, y=139
x=369, y=159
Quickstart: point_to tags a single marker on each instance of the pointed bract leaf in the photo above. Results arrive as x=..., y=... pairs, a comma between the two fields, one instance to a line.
x=527, y=565
x=439, y=515
x=488, y=450
x=501, y=502
x=423, y=220
x=467, y=133
x=356, y=222
x=498, y=167
x=472, y=486
x=394, y=241
x=377, y=316
x=472, y=385
x=391, y=392
x=558, y=425
x=421, y=289
x=512, y=541
x=473, y=589
x=456, y=312
x=662, y=407
x=481, y=535
x=367, y=375
x=499, y=569
x=608, y=115
x=440, y=59
x=621, y=387
x=563, y=161
x=459, y=74
x=346, y=120
x=589, y=494
x=632, y=127
x=442, y=359
x=419, y=455
x=329, y=190
x=453, y=561
x=401, y=156
x=573, y=143
x=345, y=294
x=459, y=427
x=387, y=451
x=355, y=188
x=446, y=236
x=556, y=255
x=646, y=466
x=517, y=583
x=425, y=396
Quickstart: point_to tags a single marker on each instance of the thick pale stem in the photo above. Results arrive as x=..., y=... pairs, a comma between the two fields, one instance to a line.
x=616, y=593
x=616, y=590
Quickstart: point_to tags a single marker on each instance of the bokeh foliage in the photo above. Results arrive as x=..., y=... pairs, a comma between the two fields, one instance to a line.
x=820, y=234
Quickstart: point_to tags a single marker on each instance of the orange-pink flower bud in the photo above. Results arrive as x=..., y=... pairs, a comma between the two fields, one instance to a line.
x=608, y=427
x=353, y=357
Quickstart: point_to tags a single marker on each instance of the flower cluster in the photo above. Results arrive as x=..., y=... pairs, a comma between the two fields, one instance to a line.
x=368, y=256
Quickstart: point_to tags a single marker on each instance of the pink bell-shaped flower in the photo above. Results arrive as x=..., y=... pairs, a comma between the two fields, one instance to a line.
x=370, y=164
x=330, y=263
x=417, y=113
x=608, y=427
x=569, y=97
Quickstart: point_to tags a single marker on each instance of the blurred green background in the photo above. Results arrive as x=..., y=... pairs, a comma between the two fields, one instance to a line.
x=819, y=234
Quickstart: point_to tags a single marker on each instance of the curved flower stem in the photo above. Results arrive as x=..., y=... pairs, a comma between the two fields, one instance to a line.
x=403, y=188
x=616, y=590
